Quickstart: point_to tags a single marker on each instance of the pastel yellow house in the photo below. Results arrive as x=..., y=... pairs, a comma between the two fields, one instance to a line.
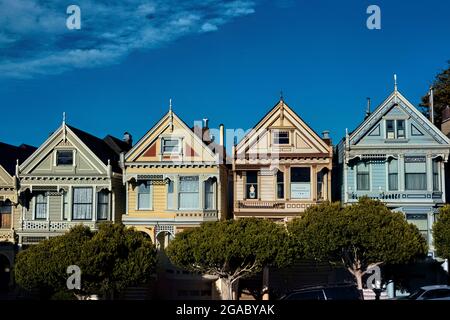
x=175, y=179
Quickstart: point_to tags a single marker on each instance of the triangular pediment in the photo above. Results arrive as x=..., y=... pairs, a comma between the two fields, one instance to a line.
x=385, y=126
x=44, y=160
x=184, y=145
x=5, y=178
x=282, y=131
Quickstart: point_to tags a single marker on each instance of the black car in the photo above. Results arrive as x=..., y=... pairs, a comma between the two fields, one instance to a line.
x=341, y=292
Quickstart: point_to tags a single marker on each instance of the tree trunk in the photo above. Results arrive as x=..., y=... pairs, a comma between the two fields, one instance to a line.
x=358, y=276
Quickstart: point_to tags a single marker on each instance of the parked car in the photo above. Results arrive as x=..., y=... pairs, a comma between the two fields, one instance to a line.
x=339, y=292
x=436, y=292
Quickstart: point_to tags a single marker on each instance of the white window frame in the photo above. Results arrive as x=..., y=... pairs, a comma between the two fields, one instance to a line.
x=200, y=193
x=311, y=179
x=55, y=162
x=179, y=149
x=214, y=197
x=150, y=205
x=94, y=207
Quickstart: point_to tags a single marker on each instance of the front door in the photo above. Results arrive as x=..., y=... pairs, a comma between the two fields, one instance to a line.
x=5, y=215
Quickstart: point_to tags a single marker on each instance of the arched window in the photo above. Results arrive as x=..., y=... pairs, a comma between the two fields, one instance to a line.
x=210, y=203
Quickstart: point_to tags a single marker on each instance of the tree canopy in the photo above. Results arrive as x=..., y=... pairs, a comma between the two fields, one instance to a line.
x=441, y=86
x=230, y=249
x=359, y=236
x=110, y=259
x=441, y=233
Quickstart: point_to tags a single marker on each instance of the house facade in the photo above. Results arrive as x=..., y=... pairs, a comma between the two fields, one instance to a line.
x=397, y=156
x=10, y=209
x=72, y=178
x=281, y=167
x=175, y=178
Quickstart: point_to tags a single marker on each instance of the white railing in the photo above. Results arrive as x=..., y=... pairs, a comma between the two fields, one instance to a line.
x=54, y=225
x=6, y=235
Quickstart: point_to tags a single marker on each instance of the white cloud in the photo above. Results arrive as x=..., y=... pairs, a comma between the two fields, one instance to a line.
x=35, y=41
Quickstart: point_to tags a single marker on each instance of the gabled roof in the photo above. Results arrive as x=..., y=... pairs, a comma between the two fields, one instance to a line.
x=394, y=98
x=169, y=114
x=301, y=123
x=105, y=149
x=10, y=154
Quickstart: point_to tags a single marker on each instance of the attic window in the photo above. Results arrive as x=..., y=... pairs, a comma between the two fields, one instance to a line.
x=64, y=157
x=281, y=137
x=171, y=145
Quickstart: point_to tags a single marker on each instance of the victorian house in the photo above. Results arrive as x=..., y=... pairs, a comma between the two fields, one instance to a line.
x=10, y=209
x=396, y=155
x=281, y=167
x=72, y=178
x=176, y=178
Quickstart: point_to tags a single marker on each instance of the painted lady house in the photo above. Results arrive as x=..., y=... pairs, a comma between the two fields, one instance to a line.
x=72, y=178
x=281, y=167
x=10, y=209
x=396, y=155
x=176, y=178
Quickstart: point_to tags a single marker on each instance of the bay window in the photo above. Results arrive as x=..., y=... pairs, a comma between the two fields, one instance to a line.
x=188, y=195
x=362, y=176
x=82, y=203
x=102, y=205
x=209, y=194
x=415, y=173
x=144, y=196
x=300, y=183
x=393, y=175
x=251, y=185
x=40, y=205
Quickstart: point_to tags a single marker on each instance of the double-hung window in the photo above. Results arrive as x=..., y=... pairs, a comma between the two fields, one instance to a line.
x=144, y=196
x=395, y=129
x=393, y=175
x=251, y=185
x=300, y=183
x=64, y=157
x=436, y=184
x=171, y=146
x=362, y=176
x=280, y=185
x=281, y=137
x=415, y=173
x=189, y=193
x=40, y=205
x=102, y=205
x=170, y=195
x=209, y=194
x=82, y=203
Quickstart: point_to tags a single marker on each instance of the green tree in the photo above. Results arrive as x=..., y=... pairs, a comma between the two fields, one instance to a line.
x=110, y=259
x=441, y=86
x=359, y=236
x=230, y=250
x=441, y=233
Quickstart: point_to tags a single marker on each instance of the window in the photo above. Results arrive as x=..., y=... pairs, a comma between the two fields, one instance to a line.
x=144, y=200
x=415, y=173
x=65, y=205
x=320, y=192
x=390, y=131
x=280, y=185
x=362, y=176
x=41, y=206
x=401, y=129
x=5, y=214
x=102, y=205
x=300, y=183
x=393, y=174
x=189, y=192
x=436, y=184
x=82, y=204
x=171, y=146
x=436, y=294
x=281, y=137
x=64, y=157
x=209, y=194
x=420, y=221
x=170, y=195
x=251, y=185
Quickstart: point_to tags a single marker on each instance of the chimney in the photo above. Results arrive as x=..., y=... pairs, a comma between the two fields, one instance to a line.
x=445, y=125
x=205, y=123
x=326, y=137
x=128, y=139
x=221, y=134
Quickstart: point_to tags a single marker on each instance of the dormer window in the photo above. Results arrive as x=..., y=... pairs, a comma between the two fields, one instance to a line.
x=64, y=157
x=395, y=129
x=281, y=137
x=170, y=146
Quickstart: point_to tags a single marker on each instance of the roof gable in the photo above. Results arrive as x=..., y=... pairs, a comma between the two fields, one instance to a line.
x=302, y=138
x=149, y=149
x=419, y=130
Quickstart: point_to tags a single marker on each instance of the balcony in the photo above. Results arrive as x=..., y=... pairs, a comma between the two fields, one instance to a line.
x=399, y=196
x=54, y=226
x=260, y=205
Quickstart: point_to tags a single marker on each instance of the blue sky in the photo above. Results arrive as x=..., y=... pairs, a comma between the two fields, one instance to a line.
x=226, y=61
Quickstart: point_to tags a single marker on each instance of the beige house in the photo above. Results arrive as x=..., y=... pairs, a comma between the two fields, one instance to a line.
x=281, y=167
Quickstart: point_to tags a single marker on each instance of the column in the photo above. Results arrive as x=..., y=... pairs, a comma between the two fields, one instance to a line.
x=429, y=165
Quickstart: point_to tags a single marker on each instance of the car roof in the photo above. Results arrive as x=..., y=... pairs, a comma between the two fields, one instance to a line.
x=438, y=286
x=344, y=285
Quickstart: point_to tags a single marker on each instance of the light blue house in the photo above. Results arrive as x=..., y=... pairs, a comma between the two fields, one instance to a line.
x=397, y=156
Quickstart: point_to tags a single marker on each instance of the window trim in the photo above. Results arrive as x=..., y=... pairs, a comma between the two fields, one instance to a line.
x=150, y=205
x=57, y=151
x=277, y=132
x=311, y=178
x=395, y=129
x=257, y=185
x=199, y=193
x=179, y=149
x=369, y=166
x=93, y=214
x=214, y=188
x=108, y=205
x=388, y=174
x=47, y=205
x=426, y=173
x=277, y=183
